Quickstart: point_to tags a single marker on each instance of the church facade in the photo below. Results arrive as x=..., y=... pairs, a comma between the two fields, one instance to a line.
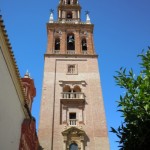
x=72, y=115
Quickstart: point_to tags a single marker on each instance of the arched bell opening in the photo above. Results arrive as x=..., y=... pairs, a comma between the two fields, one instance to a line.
x=68, y=2
x=70, y=42
x=69, y=15
x=57, y=44
x=84, y=44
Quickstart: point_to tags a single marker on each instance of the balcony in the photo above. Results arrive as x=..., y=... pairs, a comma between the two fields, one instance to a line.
x=73, y=122
x=72, y=97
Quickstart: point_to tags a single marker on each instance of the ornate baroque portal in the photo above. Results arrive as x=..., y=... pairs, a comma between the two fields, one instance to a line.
x=72, y=113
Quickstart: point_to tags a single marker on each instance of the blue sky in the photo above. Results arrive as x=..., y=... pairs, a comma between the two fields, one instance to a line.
x=122, y=30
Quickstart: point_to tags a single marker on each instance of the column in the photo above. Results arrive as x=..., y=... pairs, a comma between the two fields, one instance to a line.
x=59, y=13
x=50, y=47
x=82, y=145
x=63, y=43
x=80, y=115
x=82, y=142
x=90, y=43
x=64, y=115
x=65, y=143
x=77, y=42
x=78, y=14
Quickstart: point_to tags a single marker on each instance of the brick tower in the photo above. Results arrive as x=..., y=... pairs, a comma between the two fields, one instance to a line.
x=72, y=112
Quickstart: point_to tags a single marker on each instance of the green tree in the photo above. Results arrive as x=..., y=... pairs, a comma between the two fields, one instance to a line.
x=134, y=132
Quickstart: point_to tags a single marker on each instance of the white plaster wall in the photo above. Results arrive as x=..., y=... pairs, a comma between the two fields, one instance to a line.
x=11, y=113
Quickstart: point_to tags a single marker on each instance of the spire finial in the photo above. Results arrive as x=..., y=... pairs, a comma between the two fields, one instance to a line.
x=88, y=20
x=51, y=19
x=27, y=74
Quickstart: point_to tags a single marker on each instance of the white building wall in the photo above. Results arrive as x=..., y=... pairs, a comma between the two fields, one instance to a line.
x=11, y=112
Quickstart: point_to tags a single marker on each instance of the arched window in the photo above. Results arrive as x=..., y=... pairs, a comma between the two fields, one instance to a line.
x=68, y=2
x=69, y=15
x=71, y=69
x=66, y=92
x=70, y=42
x=77, y=92
x=84, y=45
x=76, y=89
x=57, y=44
x=66, y=88
x=73, y=146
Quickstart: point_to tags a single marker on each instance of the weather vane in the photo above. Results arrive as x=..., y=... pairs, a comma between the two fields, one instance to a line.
x=51, y=10
x=87, y=12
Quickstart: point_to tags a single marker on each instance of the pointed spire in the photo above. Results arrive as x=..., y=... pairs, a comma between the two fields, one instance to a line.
x=27, y=74
x=51, y=19
x=88, y=20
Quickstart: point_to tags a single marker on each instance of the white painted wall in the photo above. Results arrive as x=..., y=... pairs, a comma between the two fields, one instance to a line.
x=11, y=112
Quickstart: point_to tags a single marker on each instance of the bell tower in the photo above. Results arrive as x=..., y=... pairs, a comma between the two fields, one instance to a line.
x=72, y=113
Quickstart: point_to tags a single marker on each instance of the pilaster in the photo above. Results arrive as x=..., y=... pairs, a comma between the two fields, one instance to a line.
x=50, y=38
x=63, y=42
x=77, y=42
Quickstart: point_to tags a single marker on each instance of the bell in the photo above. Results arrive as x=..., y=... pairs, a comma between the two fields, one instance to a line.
x=57, y=43
x=70, y=41
x=84, y=44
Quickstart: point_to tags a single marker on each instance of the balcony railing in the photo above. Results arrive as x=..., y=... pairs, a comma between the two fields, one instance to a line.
x=73, y=122
x=75, y=95
x=84, y=52
x=56, y=51
x=70, y=51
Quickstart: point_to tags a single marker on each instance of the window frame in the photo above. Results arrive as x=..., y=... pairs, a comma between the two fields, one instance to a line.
x=75, y=72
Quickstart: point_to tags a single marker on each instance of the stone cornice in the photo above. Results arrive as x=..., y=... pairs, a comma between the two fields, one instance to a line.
x=66, y=26
x=12, y=66
x=71, y=56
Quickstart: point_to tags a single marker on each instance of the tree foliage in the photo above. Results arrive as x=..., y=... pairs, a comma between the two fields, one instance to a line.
x=134, y=132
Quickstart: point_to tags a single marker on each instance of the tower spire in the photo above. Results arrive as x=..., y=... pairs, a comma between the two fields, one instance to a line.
x=88, y=20
x=51, y=19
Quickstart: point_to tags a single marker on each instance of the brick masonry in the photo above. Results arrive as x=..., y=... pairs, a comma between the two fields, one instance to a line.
x=50, y=127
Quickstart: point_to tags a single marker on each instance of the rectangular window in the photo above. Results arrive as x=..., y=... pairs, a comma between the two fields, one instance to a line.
x=72, y=116
x=71, y=69
x=72, y=119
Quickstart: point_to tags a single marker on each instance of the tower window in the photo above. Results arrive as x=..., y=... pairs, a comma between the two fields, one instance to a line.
x=69, y=15
x=72, y=119
x=72, y=116
x=57, y=44
x=70, y=42
x=72, y=69
x=84, y=45
x=68, y=2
